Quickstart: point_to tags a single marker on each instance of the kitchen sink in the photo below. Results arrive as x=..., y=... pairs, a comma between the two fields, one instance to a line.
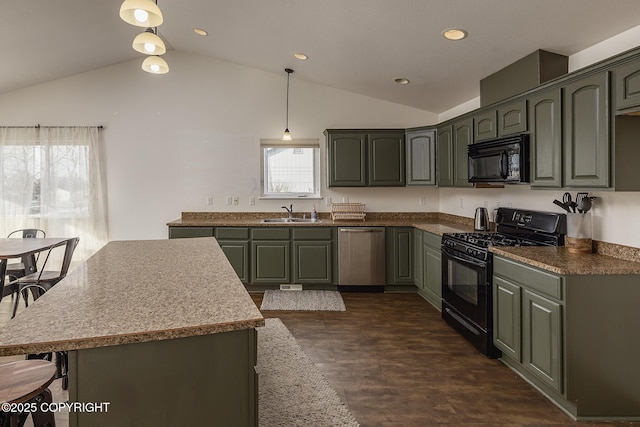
x=290, y=220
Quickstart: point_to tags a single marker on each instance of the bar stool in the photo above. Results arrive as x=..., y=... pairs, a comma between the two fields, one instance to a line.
x=27, y=382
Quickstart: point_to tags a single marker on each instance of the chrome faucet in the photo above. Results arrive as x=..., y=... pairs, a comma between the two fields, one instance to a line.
x=289, y=210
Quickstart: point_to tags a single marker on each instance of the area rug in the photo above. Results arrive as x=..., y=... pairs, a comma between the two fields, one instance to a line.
x=310, y=300
x=292, y=390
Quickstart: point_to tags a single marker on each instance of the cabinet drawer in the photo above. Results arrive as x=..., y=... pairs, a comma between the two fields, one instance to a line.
x=227, y=233
x=538, y=280
x=275, y=233
x=183, y=232
x=320, y=233
x=432, y=240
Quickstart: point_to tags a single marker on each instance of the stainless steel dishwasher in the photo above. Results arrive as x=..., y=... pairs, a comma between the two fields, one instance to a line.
x=361, y=260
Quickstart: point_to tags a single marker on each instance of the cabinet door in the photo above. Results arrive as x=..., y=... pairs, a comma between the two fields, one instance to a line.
x=386, y=159
x=485, y=126
x=433, y=276
x=421, y=157
x=506, y=317
x=586, y=132
x=542, y=339
x=399, y=255
x=347, y=159
x=628, y=85
x=184, y=232
x=418, y=264
x=270, y=261
x=445, y=157
x=512, y=118
x=312, y=262
x=462, y=137
x=545, y=139
x=237, y=253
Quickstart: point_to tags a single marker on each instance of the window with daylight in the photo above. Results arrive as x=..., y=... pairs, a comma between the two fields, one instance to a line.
x=290, y=168
x=53, y=179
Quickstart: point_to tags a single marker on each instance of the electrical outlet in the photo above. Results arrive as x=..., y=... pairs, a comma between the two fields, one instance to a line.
x=461, y=202
x=422, y=200
x=345, y=199
x=486, y=204
x=252, y=201
x=229, y=200
x=210, y=200
x=236, y=200
x=327, y=201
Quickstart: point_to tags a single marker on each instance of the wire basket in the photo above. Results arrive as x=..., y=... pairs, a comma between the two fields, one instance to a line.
x=354, y=211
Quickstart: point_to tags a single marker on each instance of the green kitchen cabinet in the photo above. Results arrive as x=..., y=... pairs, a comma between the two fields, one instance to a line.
x=432, y=269
x=234, y=242
x=314, y=255
x=462, y=138
x=627, y=80
x=399, y=255
x=586, y=132
x=386, y=159
x=365, y=158
x=512, y=118
x=444, y=171
x=485, y=125
x=421, y=157
x=545, y=139
x=187, y=232
x=507, y=317
x=542, y=338
x=270, y=255
x=346, y=159
x=418, y=264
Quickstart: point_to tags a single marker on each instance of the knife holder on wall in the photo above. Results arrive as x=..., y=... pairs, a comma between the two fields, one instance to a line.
x=579, y=233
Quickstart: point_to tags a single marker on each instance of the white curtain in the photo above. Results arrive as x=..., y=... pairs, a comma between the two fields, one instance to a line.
x=53, y=179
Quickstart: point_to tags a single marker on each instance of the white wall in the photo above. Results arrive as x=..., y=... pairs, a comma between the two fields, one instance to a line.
x=173, y=140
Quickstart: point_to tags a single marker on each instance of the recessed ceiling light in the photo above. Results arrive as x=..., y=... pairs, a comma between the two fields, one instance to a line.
x=200, y=32
x=301, y=56
x=401, y=81
x=454, y=34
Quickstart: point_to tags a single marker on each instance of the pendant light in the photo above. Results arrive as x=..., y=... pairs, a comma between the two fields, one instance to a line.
x=149, y=43
x=287, y=135
x=155, y=65
x=141, y=13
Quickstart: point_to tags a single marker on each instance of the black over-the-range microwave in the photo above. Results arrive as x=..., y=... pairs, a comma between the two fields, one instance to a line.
x=504, y=160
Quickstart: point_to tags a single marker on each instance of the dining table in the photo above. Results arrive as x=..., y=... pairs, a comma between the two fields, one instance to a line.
x=22, y=248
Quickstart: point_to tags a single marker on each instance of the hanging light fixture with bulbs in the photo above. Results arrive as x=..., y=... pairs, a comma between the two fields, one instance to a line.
x=287, y=135
x=146, y=13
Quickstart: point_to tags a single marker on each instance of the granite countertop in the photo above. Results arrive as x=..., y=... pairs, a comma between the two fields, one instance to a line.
x=136, y=291
x=557, y=259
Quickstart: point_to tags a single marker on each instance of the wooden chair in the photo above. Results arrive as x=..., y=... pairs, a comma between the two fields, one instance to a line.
x=26, y=382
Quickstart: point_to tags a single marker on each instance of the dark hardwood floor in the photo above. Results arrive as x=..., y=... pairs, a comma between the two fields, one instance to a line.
x=394, y=362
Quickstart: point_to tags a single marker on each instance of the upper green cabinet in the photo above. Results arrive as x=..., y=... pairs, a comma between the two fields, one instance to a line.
x=462, y=137
x=444, y=170
x=512, y=118
x=360, y=158
x=627, y=78
x=586, y=132
x=421, y=157
x=545, y=139
x=485, y=126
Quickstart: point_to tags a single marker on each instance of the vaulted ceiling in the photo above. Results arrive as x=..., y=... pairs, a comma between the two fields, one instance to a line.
x=355, y=45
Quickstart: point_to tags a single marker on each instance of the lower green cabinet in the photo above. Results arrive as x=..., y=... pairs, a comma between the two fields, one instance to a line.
x=234, y=242
x=432, y=269
x=271, y=261
x=312, y=262
x=418, y=262
x=399, y=255
x=506, y=326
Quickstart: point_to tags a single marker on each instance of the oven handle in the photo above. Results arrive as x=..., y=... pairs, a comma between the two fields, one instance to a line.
x=467, y=260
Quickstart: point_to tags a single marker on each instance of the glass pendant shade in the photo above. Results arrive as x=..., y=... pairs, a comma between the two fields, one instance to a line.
x=287, y=135
x=141, y=13
x=149, y=43
x=155, y=65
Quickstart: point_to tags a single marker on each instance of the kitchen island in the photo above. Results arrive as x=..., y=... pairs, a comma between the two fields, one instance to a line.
x=163, y=330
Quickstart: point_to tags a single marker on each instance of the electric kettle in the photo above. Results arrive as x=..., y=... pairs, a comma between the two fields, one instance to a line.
x=481, y=220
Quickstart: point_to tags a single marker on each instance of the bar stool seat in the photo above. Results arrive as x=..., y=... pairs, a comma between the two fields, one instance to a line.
x=27, y=381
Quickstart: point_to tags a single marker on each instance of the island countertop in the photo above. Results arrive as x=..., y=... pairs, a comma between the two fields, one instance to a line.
x=136, y=291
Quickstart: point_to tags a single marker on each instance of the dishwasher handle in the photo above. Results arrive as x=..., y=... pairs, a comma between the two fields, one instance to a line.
x=361, y=230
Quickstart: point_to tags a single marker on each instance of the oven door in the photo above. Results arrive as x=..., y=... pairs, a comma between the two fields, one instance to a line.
x=465, y=285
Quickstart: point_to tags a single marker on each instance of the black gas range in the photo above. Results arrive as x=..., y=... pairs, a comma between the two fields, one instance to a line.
x=467, y=301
